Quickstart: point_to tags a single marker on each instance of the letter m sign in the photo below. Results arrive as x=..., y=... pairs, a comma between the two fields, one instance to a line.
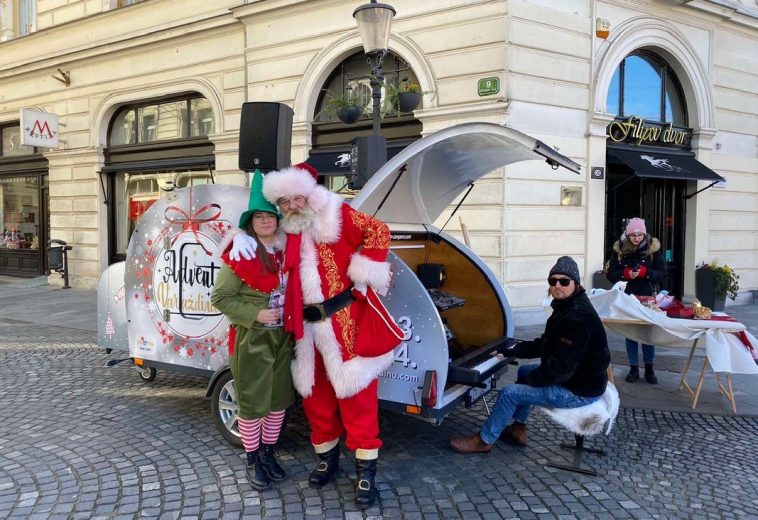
x=39, y=128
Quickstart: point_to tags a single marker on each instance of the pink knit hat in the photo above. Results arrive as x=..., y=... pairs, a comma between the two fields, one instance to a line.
x=635, y=225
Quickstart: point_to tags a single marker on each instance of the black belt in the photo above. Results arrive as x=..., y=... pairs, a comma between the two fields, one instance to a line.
x=321, y=311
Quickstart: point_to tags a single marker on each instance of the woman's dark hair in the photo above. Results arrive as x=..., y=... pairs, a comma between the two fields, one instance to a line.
x=260, y=250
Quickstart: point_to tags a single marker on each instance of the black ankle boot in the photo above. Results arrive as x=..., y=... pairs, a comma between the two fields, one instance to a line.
x=329, y=462
x=633, y=375
x=256, y=475
x=365, y=487
x=270, y=465
x=650, y=374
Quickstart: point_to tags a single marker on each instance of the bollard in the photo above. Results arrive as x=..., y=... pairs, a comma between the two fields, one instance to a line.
x=57, y=259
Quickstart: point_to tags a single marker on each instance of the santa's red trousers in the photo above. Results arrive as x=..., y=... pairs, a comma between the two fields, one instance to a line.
x=329, y=417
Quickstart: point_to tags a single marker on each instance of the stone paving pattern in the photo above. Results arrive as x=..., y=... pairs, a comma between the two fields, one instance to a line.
x=80, y=440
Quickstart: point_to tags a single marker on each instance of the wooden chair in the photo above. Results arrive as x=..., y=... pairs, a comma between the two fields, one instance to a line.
x=585, y=421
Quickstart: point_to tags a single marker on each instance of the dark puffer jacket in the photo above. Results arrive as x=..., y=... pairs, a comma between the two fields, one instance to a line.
x=573, y=349
x=647, y=257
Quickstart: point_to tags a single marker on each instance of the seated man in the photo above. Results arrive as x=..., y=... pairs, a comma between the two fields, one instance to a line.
x=572, y=372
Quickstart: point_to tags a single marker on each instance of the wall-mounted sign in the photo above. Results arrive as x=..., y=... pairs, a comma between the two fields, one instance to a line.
x=488, y=86
x=637, y=131
x=39, y=128
x=598, y=172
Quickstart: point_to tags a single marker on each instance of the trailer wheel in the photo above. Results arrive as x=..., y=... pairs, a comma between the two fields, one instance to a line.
x=146, y=374
x=224, y=408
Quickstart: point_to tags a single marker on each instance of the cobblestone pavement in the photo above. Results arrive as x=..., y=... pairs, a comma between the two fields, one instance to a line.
x=79, y=440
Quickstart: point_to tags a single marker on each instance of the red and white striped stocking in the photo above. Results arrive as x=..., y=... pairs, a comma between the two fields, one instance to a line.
x=272, y=425
x=250, y=431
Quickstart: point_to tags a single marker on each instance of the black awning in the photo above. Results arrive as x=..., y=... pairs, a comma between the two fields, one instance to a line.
x=326, y=163
x=663, y=165
x=161, y=164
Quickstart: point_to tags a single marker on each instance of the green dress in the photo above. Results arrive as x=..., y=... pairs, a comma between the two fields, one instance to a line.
x=261, y=360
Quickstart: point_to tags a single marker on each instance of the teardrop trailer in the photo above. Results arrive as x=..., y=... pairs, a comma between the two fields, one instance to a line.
x=454, y=313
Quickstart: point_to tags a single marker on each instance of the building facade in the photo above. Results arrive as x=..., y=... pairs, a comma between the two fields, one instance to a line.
x=149, y=94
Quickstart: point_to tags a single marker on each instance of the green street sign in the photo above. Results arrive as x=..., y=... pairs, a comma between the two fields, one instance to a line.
x=488, y=86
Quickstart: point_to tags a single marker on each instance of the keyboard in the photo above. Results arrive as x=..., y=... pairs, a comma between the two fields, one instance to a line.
x=445, y=301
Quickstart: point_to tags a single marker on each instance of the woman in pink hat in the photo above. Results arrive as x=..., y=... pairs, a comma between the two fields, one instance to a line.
x=638, y=261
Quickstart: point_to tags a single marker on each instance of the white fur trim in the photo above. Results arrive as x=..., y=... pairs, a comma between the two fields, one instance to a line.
x=590, y=419
x=347, y=377
x=363, y=454
x=226, y=243
x=326, y=446
x=303, y=364
x=327, y=218
x=369, y=272
x=287, y=182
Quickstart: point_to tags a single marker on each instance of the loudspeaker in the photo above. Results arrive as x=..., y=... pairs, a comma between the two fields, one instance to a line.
x=367, y=155
x=265, y=136
x=432, y=276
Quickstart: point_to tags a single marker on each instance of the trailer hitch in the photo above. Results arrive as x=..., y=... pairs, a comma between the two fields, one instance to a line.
x=114, y=362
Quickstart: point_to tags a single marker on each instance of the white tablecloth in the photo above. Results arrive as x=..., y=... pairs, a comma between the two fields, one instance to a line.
x=725, y=351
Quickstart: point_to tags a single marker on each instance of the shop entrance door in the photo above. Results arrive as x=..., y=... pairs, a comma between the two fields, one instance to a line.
x=661, y=203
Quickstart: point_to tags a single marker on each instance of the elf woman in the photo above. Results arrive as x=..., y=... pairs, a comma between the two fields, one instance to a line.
x=250, y=293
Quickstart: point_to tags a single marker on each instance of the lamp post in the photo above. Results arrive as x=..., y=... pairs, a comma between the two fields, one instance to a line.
x=369, y=153
x=374, y=24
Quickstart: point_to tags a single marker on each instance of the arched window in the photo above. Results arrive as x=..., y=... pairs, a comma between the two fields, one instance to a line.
x=645, y=86
x=350, y=79
x=154, y=146
x=173, y=119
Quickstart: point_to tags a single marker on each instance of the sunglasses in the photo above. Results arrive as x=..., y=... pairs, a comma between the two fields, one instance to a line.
x=563, y=281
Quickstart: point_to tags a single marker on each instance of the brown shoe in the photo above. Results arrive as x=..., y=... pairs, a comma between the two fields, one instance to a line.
x=515, y=433
x=470, y=444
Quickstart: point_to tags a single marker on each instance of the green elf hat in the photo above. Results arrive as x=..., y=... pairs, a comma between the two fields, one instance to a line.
x=256, y=202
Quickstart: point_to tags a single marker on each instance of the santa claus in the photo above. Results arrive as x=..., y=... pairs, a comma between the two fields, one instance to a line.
x=335, y=260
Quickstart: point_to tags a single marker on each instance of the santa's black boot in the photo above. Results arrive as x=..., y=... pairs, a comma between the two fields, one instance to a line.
x=256, y=475
x=365, y=487
x=270, y=465
x=329, y=463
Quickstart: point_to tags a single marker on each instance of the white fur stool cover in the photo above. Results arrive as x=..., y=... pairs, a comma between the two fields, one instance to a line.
x=590, y=419
x=586, y=421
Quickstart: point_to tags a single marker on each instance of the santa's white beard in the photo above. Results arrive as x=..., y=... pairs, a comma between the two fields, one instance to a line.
x=297, y=221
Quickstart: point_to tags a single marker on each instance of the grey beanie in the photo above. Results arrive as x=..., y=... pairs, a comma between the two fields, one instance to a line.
x=566, y=266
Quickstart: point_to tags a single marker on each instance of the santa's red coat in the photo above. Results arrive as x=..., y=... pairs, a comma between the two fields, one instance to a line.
x=341, y=247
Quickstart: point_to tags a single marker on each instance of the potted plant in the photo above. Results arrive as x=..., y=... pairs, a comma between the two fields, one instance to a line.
x=347, y=108
x=714, y=282
x=405, y=97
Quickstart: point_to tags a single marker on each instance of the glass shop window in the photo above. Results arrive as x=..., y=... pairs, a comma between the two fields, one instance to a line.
x=10, y=142
x=147, y=123
x=645, y=86
x=19, y=212
x=135, y=192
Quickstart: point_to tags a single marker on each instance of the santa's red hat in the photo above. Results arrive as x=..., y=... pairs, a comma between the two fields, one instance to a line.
x=298, y=179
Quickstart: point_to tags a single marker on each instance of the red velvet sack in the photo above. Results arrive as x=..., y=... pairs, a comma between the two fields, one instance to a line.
x=377, y=331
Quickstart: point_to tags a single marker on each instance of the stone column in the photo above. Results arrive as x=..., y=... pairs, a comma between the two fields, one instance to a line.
x=698, y=211
x=77, y=213
x=594, y=255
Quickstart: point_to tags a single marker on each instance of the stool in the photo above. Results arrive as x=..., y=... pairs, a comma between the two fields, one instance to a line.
x=586, y=421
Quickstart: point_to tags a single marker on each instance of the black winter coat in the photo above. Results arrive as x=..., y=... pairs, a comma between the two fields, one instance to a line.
x=573, y=349
x=648, y=257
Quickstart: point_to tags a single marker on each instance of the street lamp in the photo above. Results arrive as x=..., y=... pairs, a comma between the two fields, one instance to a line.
x=369, y=153
x=374, y=23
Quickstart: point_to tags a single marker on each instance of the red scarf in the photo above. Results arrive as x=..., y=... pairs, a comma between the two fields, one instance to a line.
x=293, y=300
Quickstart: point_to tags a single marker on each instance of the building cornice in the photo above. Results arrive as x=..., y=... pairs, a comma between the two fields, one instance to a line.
x=21, y=58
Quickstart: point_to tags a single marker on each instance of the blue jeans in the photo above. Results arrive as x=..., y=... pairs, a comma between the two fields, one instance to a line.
x=632, y=350
x=515, y=402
